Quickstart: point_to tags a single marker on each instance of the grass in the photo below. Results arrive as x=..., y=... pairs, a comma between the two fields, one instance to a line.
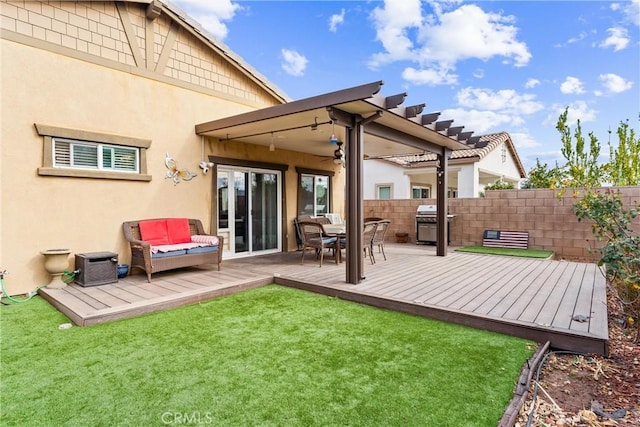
x=529, y=253
x=271, y=356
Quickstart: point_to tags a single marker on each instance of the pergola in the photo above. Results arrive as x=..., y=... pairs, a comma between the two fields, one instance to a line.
x=369, y=125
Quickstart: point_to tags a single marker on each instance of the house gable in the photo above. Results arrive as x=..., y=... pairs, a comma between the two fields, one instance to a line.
x=153, y=40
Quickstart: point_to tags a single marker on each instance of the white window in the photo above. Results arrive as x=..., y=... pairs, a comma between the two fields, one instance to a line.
x=420, y=192
x=384, y=191
x=314, y=194
x=75, y=153
x=68, y=153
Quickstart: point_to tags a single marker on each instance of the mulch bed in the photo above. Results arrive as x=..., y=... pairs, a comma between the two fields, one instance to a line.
x=589, y=390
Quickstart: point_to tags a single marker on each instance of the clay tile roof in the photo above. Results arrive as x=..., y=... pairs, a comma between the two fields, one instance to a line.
x=486, y=145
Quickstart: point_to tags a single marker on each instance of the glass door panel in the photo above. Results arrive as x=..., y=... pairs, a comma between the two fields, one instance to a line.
x=264, y=211
x=241, y=210
x=249, y=210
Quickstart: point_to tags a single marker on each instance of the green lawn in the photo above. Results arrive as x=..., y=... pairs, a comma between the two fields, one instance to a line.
x=530, y=253
x=272, y=356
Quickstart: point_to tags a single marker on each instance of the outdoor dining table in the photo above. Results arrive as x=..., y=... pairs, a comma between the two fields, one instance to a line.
x=340, y=232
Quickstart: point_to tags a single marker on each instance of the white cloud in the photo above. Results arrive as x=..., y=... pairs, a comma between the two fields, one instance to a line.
x=524, y=140
x=430, y=76
x=631, y=11
x=572, y=85
x=506, y=100
x=618, y=39
x=393, y=22
x=614, y=83
x=577, y=110
x=211, y=14
x=442, y=40
x=294, y=63
x=335, y=20
x=531, y=83
x=480, y=122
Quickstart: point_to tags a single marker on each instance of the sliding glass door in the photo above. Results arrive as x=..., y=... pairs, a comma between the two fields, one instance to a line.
x=249, y=210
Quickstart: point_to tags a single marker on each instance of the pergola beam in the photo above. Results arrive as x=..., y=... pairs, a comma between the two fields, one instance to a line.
x=413, y=110
x=443, y=125
x=394, y=101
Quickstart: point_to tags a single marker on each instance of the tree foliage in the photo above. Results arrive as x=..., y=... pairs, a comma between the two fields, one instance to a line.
x=612, y=223
x=498, y=185
x=582, y=168
x=624, y=162
x=541, y=176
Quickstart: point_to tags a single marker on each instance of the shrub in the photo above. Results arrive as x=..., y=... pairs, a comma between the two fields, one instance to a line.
x=621, y=251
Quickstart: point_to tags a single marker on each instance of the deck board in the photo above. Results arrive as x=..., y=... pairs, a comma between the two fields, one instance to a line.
x=531, y=298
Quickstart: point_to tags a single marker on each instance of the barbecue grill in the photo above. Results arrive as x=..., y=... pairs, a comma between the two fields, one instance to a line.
x=426, y=224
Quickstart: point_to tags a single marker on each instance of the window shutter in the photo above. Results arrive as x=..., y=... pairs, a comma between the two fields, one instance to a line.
x=85, y=156
x=61, y=153
x=125, y=159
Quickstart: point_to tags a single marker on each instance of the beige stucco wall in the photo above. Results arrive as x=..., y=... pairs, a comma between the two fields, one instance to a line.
x=85, y=215
x=43, y=82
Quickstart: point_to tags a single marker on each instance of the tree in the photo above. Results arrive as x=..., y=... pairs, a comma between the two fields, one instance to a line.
x=624, y=162
x=541, y=176
x=612, y=224
x=582, y=166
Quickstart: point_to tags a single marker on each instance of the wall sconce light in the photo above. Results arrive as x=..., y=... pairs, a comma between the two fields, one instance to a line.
x=205, y=166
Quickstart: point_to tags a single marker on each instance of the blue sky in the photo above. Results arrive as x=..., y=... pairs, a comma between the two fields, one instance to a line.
x=489, y=65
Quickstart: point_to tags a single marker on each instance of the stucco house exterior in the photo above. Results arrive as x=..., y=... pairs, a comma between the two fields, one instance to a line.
x=100, y=99
x=493, y=157
x=134, y=75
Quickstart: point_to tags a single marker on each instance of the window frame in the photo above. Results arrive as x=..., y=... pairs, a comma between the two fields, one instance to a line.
x=421, y=187
x=316, y=174
x=380, y=186
x=48, y=168
x=100, y=150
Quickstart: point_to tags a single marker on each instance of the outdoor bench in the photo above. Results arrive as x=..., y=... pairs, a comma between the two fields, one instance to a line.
x=166, y=243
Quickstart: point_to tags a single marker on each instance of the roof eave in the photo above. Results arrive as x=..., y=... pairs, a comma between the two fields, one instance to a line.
x=353, y=94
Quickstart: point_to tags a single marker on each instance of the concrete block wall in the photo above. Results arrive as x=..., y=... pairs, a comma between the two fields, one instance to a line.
x=549, y=219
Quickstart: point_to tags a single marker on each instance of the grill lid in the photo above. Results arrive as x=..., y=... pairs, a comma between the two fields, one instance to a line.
x=426, y=210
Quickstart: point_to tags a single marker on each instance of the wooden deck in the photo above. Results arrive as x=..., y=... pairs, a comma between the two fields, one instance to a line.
x=530, y=298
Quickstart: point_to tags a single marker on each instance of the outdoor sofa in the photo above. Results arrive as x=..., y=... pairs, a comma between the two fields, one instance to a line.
x=166, y=243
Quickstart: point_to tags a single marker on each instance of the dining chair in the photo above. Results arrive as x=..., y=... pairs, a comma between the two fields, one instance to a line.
x=368, y=233
x=313, y=237
x=379, y=236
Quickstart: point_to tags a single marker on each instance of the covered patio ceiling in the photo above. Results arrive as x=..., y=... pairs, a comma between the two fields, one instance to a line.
x=369, y=125
x=306, y=125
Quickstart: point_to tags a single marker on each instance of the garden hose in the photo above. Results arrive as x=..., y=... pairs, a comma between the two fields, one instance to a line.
x=70, y=274
x=535, y=388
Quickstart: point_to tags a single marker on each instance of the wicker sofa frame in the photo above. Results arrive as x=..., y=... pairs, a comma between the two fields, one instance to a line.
x=141, y=251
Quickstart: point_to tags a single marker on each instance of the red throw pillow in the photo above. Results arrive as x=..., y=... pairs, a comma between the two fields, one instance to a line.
x=154, y=232
x=178, y=230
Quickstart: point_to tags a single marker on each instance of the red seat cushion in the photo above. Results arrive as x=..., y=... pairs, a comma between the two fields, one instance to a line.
x=178, y=230
x=154, y=232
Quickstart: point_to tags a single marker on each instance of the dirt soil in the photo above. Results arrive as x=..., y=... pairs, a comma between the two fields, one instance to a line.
x=590, y=390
